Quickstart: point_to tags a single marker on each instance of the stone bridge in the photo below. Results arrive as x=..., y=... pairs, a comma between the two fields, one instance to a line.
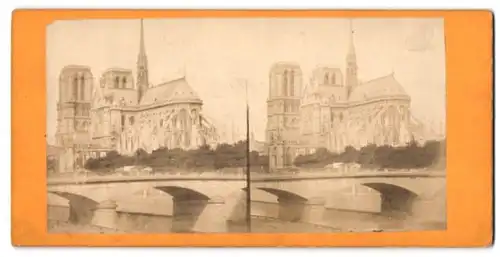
x=206, y=202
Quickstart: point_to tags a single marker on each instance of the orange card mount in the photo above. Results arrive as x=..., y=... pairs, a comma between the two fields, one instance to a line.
x=252, y=128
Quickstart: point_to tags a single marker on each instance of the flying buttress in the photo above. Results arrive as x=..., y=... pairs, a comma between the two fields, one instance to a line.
x=208, y=131
x=418, y=130
x=204, y=132
x=169, y=130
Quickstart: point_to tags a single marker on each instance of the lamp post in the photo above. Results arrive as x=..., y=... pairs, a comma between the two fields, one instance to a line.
x=74, y=151
x=74, y=136
x=248, y=180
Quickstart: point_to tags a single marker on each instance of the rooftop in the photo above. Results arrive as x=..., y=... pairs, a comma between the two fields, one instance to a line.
x=117, y=69
x=386, y=86
x=174, y=90
x=75, y=67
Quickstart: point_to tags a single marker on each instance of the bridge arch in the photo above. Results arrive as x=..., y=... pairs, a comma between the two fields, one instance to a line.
x=81, y=208
x=183, y=193
x=395, y=199
x=293, y=207
x=284, y=195
x=188, y=206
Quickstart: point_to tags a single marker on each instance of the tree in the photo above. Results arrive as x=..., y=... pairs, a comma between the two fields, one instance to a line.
x=349, y=155
x=93, y=164
x=141, y=156
x=385, y=157
x=382, y=156
x=203, y=157
x=366, y=156
x=319, y=158
x=112, y=155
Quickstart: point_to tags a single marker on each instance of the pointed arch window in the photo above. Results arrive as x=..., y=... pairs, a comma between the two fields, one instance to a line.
x=292, y=83
x=82, y=87
x=124, y=82
x=117, y=82
x=326, y=79
x=288, y=156
x=123, y=122
x=285, y=83
x=333, y=79
x=75, y=88
x=174, y=122
x=183, y=118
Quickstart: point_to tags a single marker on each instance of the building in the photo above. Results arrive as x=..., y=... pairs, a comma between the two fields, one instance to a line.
x=124, y=115
x=283, y=116
x=334, y=110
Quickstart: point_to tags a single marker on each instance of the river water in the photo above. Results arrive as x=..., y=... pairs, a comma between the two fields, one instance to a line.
x=345, y=222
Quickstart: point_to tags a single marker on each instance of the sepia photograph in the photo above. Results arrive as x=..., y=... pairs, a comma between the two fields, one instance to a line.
x=248, y=125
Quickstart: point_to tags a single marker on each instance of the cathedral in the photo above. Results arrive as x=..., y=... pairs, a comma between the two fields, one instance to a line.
x=124, y=115
x=334, y=111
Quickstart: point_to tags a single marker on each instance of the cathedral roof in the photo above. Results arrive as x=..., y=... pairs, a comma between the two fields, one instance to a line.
x=174, y=90
x=117, y=69
x=281, y=66
x=76, y=67
x=382, y=87
x=72, y=69
x=323, y=68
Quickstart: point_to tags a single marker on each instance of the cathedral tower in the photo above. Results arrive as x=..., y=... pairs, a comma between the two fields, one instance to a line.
x=73, y=113
x=142, y=67
x=283, y=127
x=351, y=77
x=73, y=108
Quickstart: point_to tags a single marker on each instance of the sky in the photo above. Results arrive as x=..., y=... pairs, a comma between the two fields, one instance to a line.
x=219, y=56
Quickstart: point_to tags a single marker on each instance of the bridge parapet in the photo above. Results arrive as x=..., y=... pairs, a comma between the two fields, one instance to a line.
x=93, y=178
x=90, y=178
x=359, y=174
x=300, y=197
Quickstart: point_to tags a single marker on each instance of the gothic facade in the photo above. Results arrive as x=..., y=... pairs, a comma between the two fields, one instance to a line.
x=334, y=110
x=283, y=115
x=375, y=112
x=125, y=115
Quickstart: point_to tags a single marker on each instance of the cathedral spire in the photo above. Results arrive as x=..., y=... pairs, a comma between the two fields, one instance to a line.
x=142, y=49
x=351, y=62
x=142, y=66
x=351, y=40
